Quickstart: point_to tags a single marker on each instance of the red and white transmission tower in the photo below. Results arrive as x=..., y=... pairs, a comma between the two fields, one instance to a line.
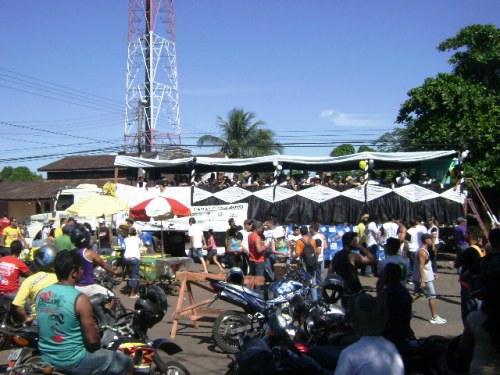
x=152, y=97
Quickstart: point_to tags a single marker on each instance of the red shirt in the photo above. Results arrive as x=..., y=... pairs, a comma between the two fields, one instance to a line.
x=11, y=269
x=255, y=256
x=4, y=223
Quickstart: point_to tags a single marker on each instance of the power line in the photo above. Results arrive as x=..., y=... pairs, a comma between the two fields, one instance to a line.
x=64, y=87
x=60, y=100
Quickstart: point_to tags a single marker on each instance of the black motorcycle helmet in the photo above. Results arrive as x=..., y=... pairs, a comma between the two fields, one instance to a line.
x=151, y=306
x=235, y=276
x=333, y=288
x=80, y=237
x=45, y=256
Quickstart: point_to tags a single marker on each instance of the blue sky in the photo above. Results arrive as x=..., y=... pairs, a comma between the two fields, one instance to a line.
x=322, y=71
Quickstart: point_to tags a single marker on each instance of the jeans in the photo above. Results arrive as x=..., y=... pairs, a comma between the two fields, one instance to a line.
x=467, y=303
x=319, y=272
x=269, y=264
x=311, y=276
x=101, y=361
x=136, y=265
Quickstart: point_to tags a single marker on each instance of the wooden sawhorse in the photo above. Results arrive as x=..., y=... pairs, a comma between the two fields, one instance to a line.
x=195, y=311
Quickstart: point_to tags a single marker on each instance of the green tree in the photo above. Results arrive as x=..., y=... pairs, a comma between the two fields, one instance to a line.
x=365, y=148
x=6, y=173
x=242, y=136
x=343, y=149
x=459, y=110
x=18, y=174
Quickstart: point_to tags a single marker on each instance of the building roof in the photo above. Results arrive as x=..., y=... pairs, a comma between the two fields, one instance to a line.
x=33, y=190
x=79, y=163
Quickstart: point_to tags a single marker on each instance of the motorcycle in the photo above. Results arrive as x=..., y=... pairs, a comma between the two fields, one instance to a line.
x=5, y=316
x=256, y=308
x=128, y=334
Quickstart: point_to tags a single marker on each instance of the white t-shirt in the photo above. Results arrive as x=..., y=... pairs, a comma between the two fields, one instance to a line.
x=196, y=236
x=370, y=355
x=132, y=246
x=413, y=243
x=433, y=230
x=390, y=230
x=321, y=256
x=244, y=241
x=421, y=230
x=371, y=234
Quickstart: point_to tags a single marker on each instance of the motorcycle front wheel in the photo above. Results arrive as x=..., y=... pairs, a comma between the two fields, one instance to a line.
x=223, y=327
x=162, y=367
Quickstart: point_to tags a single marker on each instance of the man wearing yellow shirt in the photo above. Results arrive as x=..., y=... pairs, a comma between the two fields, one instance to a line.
x=44, y=262
x=12, y=233
x=58, y=232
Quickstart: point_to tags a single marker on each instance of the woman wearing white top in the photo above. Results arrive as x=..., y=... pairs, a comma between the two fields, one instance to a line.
x=132, y=257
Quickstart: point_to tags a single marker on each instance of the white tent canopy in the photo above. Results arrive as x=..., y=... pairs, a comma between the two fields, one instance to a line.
x=383, y=160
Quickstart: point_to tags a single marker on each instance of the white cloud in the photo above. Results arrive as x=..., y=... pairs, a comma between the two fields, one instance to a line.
x=359, y=120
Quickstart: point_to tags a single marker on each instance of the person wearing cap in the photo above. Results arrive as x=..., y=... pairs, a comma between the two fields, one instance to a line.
x=360, y=229
x=423, y=277
x=372, y=353
x=104, y=238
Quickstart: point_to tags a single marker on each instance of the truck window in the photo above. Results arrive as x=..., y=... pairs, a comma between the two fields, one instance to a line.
x=64, y=201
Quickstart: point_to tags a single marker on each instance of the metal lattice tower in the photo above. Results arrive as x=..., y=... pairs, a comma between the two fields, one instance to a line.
x=152, y=96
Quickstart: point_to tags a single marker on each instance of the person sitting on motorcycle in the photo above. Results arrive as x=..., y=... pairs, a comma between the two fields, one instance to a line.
x=44, y=263
x=345, y=263
x=372, y=353
x=80, y=237
x=68, y=338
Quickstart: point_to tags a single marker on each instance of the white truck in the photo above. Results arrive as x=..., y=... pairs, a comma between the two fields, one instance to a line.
x=64, y=198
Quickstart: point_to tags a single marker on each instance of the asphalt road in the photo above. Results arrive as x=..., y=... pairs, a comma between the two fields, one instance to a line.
x=201, y=357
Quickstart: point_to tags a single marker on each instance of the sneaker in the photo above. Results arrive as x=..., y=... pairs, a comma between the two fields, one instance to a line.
x=437, y=320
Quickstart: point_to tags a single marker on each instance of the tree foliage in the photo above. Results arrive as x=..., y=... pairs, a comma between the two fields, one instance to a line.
x=343, y=149
x=242, y=136
x=365, y=148
x=459, y=110
x=18, y=174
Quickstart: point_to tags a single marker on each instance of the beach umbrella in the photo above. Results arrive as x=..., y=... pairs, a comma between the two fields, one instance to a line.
x=159, y=208
x=97, y=205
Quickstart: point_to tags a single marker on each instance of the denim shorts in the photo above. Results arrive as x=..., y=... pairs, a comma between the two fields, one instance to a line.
x=428, y=290
x=197, y=252
x=101, y=361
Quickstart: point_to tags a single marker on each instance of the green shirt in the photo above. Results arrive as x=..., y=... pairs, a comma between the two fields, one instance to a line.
x=63, y=243
x=60, y=331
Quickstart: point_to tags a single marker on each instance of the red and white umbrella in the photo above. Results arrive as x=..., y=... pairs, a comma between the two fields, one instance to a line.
x=159, y=208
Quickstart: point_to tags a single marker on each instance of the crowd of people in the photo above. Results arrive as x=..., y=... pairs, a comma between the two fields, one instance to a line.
x=399, y=254
x=295, y=181
x=402, y=256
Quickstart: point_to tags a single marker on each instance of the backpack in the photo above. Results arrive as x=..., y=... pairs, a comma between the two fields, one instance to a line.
x=309, y=257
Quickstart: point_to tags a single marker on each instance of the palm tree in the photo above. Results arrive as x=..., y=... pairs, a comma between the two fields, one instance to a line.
x=242, y=137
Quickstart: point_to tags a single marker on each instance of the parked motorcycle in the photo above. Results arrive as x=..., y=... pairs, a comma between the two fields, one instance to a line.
x=128, y=333
x=256, y=308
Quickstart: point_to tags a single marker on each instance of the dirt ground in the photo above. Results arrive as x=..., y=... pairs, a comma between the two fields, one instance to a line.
x=202, y=357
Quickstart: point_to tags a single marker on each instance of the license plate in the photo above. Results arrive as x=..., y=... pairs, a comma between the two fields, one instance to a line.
x=14, y=355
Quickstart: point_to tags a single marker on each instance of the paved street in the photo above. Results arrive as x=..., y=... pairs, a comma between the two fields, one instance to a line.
x=202, y=358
